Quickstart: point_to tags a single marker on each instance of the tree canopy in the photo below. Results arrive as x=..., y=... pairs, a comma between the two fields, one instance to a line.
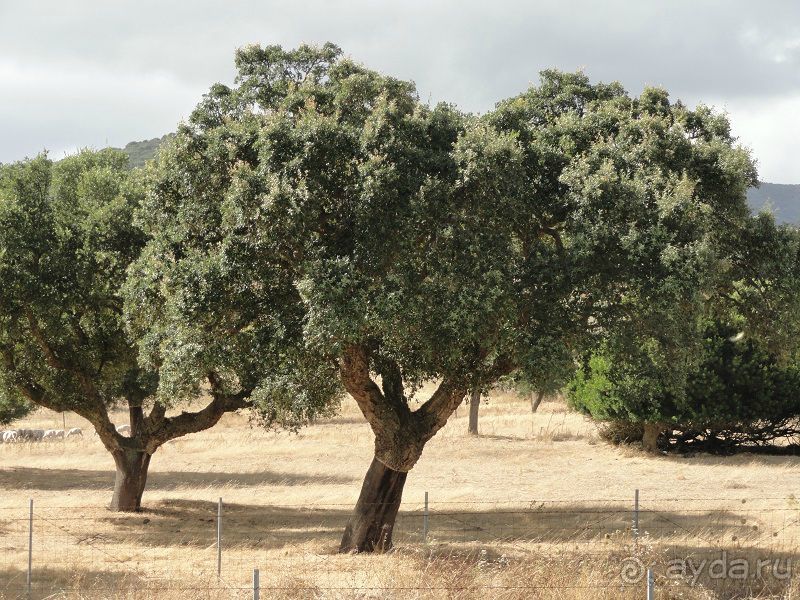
x=317, y=227
x=67, y=239
x=733, y=381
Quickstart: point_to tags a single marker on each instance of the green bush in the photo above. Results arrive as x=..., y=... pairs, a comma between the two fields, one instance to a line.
x=737, y=394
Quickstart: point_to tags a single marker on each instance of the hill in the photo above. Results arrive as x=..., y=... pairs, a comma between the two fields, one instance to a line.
x=783, y=199
x=140, y=152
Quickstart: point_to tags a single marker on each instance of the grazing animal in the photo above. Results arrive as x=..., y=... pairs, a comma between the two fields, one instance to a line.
x=75, y=431
x=53, y=434
x=124, y=429
x=36, y=435
x=10, y=436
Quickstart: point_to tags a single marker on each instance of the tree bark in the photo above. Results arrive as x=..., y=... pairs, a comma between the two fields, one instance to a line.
x=474, y=407
x=130, y=480
x=536, y=401
x=370, y=527
x=652, y=431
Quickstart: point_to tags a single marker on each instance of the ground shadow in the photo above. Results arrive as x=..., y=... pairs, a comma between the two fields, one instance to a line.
x=562, y=534
x=79, y=479
x=52, y=582
x=193, y=523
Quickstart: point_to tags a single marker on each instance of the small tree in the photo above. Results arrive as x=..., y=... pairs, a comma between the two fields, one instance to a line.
x=67, y=238
x=736, y=381
x=738, y=394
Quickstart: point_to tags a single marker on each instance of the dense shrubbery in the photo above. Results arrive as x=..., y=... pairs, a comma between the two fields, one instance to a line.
x=738, y=394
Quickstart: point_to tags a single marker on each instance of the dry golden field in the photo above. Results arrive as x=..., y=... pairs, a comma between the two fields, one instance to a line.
x=536, y=507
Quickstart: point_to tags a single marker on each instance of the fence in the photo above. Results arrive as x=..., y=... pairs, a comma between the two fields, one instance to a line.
x=539, y=549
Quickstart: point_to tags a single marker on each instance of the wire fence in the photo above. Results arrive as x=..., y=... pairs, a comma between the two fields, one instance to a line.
x=184, y=548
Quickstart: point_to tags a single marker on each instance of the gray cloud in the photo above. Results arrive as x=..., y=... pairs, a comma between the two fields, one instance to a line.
x=80, y=72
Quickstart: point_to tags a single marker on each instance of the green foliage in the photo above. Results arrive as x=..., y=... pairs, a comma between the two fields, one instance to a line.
x=66, y=240
x=318, y=204
x=13, y=408
x=765, y=298
x=736, y=384
x=216, y=290
x=623, y=215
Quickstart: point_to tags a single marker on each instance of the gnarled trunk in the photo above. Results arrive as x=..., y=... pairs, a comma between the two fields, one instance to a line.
x=371, y=525
x=130, y=480
x=536, y=401
x=474, y=407
x=400, y=437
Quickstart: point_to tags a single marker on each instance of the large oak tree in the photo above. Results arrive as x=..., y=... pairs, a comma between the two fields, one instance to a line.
x=67, y=237
x=413, y=243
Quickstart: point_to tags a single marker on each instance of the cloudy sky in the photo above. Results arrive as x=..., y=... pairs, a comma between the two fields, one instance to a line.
x=95, y=73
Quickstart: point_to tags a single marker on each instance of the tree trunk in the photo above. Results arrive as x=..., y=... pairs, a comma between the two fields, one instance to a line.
x=130, y=480
x=536, y=401
x=474, y=407
x=370, y=527
x=652, y=431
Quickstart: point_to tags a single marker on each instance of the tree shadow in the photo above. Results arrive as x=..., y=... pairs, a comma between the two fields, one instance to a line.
x=193, y=523
x=185, y=530
x=79, y=479
x=52, y=582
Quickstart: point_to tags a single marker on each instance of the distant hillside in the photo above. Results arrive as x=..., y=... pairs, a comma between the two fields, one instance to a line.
x=140, y=152
x=782, y=199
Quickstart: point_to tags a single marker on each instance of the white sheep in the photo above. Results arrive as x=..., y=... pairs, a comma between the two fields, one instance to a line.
x=10, y=436
x=75, y=431
x=124, y=429
x=53, y=434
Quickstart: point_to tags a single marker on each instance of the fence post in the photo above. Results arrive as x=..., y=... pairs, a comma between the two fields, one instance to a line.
x=651, y=585
x=219, y=538
x=30, y=546
x=636, y=514
x=256, y=585
x=425, y=521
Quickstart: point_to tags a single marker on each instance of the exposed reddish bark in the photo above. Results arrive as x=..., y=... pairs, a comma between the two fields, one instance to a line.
x=400, y=437
x=371, y=525
x=130, y=480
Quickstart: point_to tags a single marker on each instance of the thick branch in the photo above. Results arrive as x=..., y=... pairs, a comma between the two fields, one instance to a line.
x=59, y=363
x=94, y=411
x=380, y=411
x=392, y=381
x=168, y=428
x=433, y=414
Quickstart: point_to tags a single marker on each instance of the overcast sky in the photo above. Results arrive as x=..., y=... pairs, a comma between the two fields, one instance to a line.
x=93, y=73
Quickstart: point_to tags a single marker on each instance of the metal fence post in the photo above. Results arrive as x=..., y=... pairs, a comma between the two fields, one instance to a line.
x=425, y=520
x=30, y=546
x=219, y=538
x=651, y=585
x=636, y=514
x=256, y=585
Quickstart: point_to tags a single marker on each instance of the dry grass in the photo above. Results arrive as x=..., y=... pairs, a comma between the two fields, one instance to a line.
x=534, y=507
